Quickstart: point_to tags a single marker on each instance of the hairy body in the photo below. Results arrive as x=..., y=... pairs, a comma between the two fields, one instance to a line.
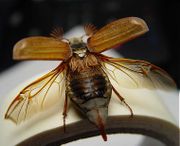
x=89, y=88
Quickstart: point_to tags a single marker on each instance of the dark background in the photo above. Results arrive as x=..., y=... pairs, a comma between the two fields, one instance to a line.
x=23, y=18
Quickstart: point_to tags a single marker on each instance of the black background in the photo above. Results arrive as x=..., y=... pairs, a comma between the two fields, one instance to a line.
x=23, y=18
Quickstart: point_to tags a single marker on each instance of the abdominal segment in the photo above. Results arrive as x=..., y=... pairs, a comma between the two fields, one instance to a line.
x=89, y=87
x=90, y=92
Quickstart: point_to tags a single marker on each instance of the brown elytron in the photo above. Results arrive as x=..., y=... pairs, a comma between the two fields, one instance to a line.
x=88, y=76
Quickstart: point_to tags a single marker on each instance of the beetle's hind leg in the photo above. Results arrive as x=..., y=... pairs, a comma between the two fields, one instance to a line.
x=122, y=100
x=65, y=113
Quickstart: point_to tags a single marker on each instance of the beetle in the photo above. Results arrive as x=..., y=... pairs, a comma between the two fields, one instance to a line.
x=86, y=73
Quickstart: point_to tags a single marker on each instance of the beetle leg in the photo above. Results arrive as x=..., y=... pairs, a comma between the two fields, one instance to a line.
x=65, y=113
x=123, y=100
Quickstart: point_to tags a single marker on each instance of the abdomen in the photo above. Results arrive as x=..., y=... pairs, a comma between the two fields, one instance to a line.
x=89, y=89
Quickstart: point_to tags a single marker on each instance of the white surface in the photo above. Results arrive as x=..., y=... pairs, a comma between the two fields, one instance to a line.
x=165, y=107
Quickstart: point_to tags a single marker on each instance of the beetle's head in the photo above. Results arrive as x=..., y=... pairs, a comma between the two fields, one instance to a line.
x=78, y=47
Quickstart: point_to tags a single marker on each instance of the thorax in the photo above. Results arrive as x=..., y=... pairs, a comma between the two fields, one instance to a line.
x=79, y=65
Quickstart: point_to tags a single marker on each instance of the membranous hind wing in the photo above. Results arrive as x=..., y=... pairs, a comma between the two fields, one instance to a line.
x=38, y=95
x=41, y=48
x=116, y=33
x=133, y=74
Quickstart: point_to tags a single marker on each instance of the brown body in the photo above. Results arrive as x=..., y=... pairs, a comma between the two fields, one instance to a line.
x=89, y=88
